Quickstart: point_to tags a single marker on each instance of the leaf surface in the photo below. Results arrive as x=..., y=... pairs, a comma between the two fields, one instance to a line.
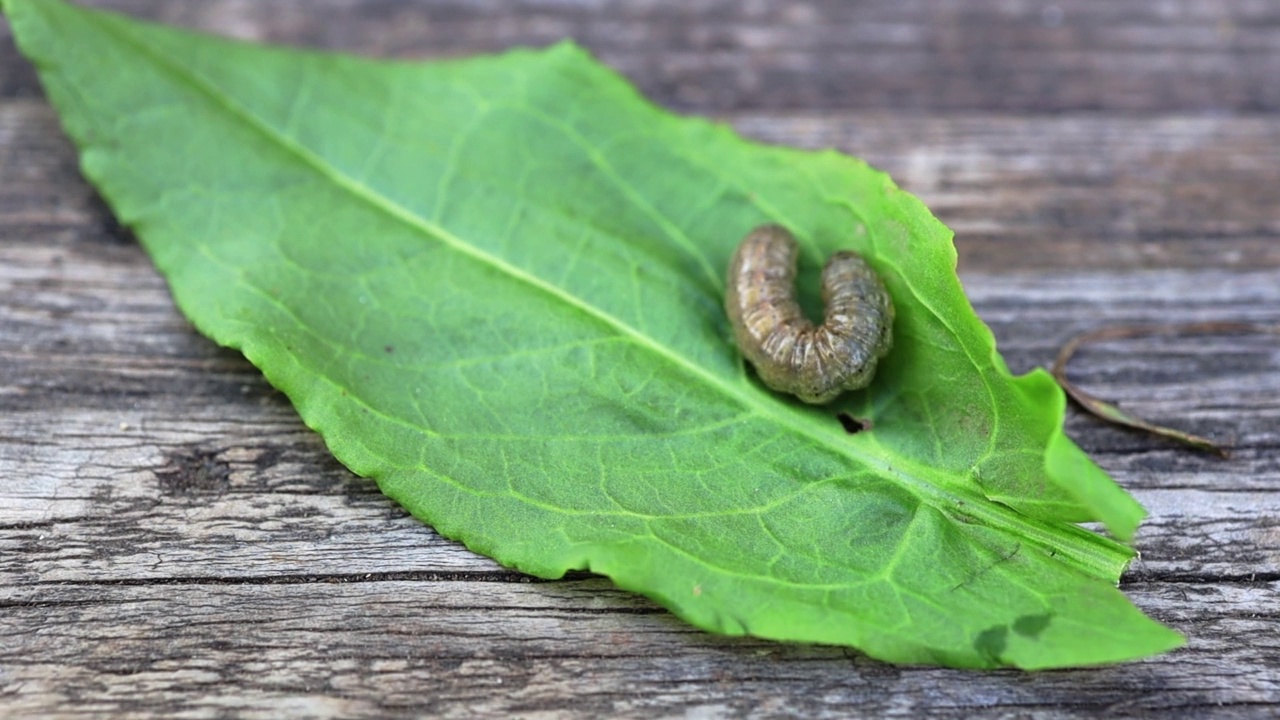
x=495, y=287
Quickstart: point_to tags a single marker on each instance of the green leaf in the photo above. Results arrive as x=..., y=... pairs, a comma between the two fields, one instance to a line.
x=495, y=287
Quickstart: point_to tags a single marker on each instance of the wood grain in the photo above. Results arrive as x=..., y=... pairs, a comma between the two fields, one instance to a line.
x=1073, y=191
x=174, y=542
x=1021, y=56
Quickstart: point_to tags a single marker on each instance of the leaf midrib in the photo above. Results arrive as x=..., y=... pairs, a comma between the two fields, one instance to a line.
x=903, y=470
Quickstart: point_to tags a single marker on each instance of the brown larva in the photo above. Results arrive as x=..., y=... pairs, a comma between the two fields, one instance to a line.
x=790, y=354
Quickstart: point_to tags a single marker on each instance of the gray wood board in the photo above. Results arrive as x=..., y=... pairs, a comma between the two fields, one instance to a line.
x=173, y=541
x=720, y=55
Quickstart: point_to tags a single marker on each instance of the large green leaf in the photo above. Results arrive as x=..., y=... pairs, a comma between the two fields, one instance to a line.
x=495, y=287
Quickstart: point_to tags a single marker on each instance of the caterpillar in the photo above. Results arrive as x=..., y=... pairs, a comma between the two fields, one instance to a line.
x=790, y=353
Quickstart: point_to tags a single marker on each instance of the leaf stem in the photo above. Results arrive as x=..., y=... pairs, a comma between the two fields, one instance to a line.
x=1109, y=412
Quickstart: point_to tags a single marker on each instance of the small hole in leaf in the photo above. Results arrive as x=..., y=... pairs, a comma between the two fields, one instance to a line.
x=853, y=425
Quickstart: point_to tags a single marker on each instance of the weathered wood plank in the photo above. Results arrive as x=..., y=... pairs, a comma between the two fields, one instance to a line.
x=399, y=648
x=720, y=55
x=1028, y=193
x=174, y=542
x=1077, y=191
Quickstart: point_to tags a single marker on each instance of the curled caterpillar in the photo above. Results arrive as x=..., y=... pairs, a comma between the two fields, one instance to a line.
x=790, y=353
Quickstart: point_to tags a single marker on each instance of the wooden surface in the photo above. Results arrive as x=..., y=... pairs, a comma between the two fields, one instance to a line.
x=173, y=542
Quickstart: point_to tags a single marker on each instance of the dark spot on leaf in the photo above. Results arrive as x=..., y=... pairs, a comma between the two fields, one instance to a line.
x=1032, y=625
x=975, y=424
x=853, y=425
x=388, y=349
x=992, y=641
x=193, y=472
